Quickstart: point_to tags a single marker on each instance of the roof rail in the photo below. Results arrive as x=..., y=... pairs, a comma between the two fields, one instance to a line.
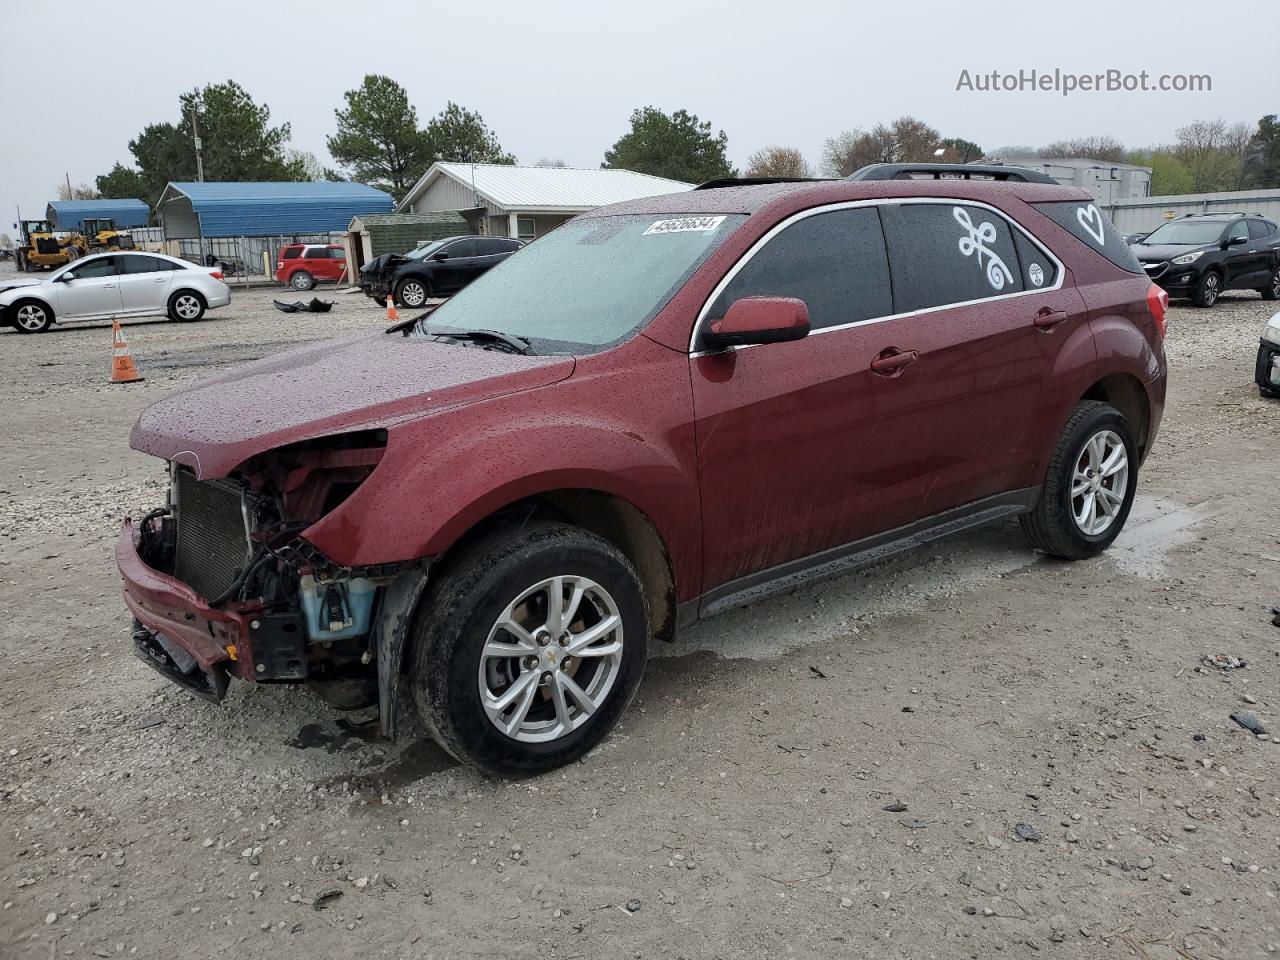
x=949, y=171
x=1218, y=215
x=754, y=181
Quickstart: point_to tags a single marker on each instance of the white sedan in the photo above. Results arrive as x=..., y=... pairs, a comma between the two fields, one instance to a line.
x=114, y=285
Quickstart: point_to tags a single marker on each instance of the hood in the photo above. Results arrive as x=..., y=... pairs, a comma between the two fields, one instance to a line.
x=1155, y=253
x=388, y=261
x=368, y=381
x=14, y=283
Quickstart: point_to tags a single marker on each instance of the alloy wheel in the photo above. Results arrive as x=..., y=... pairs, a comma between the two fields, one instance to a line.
x=32, y=318
x=551, y=659
x=187, y=307
x=1099, y=483
x=413, y=294
x=1210, y=289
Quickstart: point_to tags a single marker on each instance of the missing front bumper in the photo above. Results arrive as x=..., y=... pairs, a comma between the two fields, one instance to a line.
x=175, y=664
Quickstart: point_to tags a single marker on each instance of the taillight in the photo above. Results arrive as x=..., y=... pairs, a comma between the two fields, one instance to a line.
x=1158, y=304
x=279, y=264
x=216, y=274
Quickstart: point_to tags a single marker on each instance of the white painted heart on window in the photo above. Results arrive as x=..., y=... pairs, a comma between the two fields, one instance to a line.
x=1090, y=218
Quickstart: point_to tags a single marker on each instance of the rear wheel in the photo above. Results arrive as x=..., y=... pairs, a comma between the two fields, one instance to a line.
x=529, y=648
x=31, y=316
x=1207, y=290
x=1272, y=290
x=301, y=280
x=1089, y=485
x=186, y=305
x=412, y=292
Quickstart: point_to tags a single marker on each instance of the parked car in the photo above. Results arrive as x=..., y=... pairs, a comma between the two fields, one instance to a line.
x=436, y=269
x=1202, y=255
x=1136, y=237
x=661, y=410
x=1267, y=369
x=114, y=285
x=303, y=265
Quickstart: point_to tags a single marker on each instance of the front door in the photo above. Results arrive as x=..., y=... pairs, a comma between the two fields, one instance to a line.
x=1243, y=256
x=93, y=291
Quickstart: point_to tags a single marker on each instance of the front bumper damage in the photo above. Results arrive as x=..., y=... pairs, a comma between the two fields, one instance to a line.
x=202, y=647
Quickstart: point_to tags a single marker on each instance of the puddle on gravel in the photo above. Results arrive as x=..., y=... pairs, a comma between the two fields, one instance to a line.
x=334, y=737
x=769, y=628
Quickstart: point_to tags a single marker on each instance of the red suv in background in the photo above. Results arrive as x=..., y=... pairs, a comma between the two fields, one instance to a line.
x=301, y=265
x=660, y=410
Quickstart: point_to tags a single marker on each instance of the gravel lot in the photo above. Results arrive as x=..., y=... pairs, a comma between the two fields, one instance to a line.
x=842, y=771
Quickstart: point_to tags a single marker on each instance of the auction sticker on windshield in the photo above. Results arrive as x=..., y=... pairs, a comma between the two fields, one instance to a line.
x=685, y=225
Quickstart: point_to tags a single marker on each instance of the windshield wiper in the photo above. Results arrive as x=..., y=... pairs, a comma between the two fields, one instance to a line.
x=490, y=338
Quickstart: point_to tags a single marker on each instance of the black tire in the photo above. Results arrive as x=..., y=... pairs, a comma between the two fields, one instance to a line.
x=302, y=280
x=412, y=293
x=1272, y=290
x=1208, y=289
x=454, y=621
x=40, y=314
x=180, y=309
x=1052, y=526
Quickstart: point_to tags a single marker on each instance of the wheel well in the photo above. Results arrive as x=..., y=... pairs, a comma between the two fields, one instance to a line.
x=608, y=517
x=191, y=290
x=35, y=300
x=1126, y=394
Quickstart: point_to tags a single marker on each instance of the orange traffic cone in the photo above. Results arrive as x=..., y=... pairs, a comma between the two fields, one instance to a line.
x=392, y=316
x=123, y=369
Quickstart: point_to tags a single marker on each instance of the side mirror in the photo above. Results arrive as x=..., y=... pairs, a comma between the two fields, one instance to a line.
x=440, y=256
x=1236, y=241
x=66, y=277
x=760, y=320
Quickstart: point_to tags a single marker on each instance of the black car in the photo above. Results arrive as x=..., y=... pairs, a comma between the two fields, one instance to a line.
x=1201, y=255
x=437, y=269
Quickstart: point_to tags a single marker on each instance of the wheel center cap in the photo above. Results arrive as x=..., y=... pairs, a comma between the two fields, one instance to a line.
x=1096, y=484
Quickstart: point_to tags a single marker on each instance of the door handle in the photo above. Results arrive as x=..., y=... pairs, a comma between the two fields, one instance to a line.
x=891, y=360
x=1047, y=319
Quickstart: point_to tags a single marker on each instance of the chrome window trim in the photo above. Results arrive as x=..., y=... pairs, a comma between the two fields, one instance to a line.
x=1059, y=268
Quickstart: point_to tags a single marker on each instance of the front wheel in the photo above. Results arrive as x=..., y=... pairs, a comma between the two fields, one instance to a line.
x=529, y=648
x=32, y=317
x=1089, y=486
x=1207, y=290
x=412, y=293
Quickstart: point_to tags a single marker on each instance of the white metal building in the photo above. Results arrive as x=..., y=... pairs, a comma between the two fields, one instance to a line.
x=1105, y=180
x=1137, y=215
x=506, y=200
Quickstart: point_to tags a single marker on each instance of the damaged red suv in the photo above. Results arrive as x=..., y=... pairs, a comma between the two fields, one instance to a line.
x=662, y=409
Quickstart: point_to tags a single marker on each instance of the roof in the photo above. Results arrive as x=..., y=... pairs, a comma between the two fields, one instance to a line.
x=409, y=219
x=274, y=209
x=751, y=199
x=71, y=214
x=568, y=189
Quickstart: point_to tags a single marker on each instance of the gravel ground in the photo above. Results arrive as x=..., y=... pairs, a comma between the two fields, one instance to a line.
x=968, y=752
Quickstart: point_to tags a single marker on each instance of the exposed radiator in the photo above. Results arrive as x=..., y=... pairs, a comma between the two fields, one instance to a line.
x=211, y=544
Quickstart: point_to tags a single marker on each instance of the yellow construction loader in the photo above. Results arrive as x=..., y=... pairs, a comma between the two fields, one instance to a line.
x=39, y=249
x=102, y=235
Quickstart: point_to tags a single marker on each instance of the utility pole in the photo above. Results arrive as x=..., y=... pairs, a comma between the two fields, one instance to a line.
x=67, y=174
x=195, y=131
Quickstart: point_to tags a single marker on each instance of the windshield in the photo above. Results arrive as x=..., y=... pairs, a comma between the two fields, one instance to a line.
x=1184, y=234
x=588, y=284
x=421, y=253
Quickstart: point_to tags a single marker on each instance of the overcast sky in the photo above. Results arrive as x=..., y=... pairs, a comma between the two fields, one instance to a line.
x=559, y=79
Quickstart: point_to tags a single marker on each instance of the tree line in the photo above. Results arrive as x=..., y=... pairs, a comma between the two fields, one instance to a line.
x=379, y=140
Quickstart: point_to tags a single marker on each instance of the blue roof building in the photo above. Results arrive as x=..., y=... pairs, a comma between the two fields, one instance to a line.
x=71, y=214
x=206, y=210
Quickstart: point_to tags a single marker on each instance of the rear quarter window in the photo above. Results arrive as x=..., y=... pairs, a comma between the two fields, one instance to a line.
x=944, y=253
x=1088, y=224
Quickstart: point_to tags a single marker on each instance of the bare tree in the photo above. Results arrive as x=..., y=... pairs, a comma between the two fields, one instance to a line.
x=906, y=140
x=1093, y=148
x=550, y=162
x=1213, y=153
x=78, y=191
x=775, y=161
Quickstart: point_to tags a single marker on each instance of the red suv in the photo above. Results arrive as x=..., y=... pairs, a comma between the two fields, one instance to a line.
x=660, y=410
x=301, y=265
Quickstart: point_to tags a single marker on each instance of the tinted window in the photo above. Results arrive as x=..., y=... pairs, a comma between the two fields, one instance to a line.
x=1093, y=228
x=140, y=264
x=1258, y=229
x=101, y=267
x=835, y=262
x=489, y=248
x=949, y=253
x=290, y=253
x=1239, y=229
x=461, y=248
x=1038, y=271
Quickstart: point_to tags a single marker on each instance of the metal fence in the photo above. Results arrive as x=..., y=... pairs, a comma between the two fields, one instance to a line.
x=241, y=259
x=1146, y=213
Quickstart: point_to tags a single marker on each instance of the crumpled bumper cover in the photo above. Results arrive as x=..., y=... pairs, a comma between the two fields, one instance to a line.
x=217, y=640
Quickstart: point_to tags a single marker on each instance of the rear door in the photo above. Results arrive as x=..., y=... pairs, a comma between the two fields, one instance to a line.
x=94, y=290
x=1242, y=258
x=144, y=283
